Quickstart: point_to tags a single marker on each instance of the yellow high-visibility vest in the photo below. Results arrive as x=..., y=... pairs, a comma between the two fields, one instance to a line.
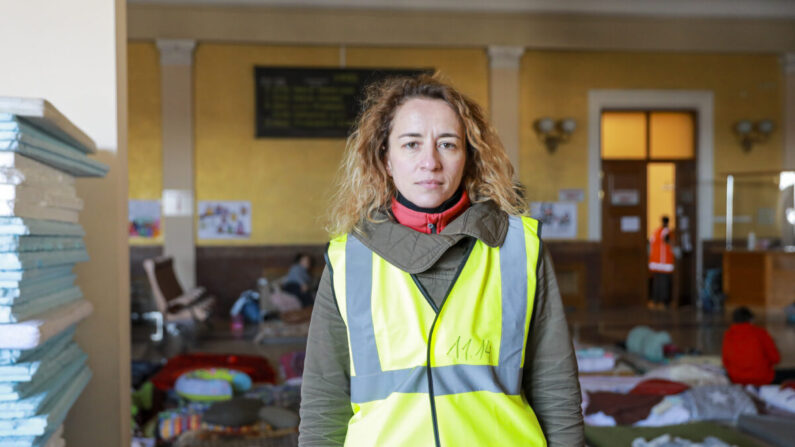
x=448, y=376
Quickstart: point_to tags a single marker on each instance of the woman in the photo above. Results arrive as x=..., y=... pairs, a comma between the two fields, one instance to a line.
x=433, y=266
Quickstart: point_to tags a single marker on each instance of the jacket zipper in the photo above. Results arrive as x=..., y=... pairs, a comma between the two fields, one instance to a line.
x=437, y=310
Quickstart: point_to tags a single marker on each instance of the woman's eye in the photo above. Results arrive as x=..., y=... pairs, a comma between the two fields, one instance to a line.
x=411, y=145
x=447, y=145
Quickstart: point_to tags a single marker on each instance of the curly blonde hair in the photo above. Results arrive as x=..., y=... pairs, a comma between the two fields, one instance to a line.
x=364, y=188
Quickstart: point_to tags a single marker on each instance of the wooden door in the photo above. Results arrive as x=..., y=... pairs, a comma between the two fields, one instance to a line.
x=686, y=226
x=624, y=245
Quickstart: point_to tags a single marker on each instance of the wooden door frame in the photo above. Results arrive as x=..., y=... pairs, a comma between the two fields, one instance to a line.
x=700, y=101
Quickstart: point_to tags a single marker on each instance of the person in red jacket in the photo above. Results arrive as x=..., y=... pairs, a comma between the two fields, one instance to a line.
x=749, y=352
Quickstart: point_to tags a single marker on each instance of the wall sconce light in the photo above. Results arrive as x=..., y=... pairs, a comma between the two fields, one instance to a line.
x=552, y=132
x=751, y=133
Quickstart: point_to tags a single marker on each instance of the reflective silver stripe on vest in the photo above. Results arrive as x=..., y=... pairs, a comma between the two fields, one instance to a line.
x=513, y=274
x=358, y=291
x=452, y=379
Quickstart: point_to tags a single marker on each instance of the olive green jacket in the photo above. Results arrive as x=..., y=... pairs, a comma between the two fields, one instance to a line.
x=550, y=374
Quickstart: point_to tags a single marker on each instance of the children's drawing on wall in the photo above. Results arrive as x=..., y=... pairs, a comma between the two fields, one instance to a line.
x=224, y=220
x=559, y=219
x=143, y=218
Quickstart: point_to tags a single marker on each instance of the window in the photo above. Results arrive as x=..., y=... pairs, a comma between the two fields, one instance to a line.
x=645, y=135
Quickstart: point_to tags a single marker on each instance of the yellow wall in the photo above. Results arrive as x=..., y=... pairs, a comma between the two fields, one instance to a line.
x=144, y=139
x=287, y=181
x=467, y=69
x=556, y=83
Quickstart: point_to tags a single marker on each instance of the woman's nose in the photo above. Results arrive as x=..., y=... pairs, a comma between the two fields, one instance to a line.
x=430, y=158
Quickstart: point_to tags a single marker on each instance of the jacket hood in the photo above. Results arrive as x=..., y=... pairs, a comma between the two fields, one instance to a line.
x=415, y=252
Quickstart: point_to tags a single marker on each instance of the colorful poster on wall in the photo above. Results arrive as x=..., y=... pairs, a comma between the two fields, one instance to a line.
x=224, y=220
x=559, y=219
x=143, y=218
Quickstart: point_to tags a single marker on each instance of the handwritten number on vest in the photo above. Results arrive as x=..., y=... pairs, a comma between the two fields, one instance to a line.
x=457, y=350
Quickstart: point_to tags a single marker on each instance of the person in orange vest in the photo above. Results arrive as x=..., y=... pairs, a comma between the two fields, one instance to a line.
x=661, y=265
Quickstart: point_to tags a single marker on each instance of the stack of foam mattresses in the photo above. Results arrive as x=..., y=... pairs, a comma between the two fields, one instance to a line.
x=42, y=369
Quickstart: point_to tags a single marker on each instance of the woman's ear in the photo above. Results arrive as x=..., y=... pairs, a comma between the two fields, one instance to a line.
x=387, y=163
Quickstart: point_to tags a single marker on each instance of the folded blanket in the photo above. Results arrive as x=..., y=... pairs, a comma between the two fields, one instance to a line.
x=15, y=243
x=16, y=169
x=51, y=346
x=31, y=142
x=32, y=290
x=693, y=375
x=40, y=259
x=626, y=409
x=50, y=439
x=38, y=227
x=32, y=210
x=11, y=376
x=49, y=195
x=40, y=113
x=778, y=397
x=718, y=402
x=43, y=393
x=32, y=332
x=17, y=312
x=659, y=386
x=12, y=278
x=595, y=360
x=51, y=415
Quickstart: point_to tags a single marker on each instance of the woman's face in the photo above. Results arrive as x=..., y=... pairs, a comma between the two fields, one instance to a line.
x=426, y=153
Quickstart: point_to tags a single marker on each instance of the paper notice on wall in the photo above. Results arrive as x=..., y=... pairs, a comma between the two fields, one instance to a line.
x=224, y=220
x=177, y=202
x=630, y=224
x=625, y=197
x=559, y=219
x=571, y=195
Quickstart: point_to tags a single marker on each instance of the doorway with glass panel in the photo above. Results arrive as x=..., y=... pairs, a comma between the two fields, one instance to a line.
x=648, y=171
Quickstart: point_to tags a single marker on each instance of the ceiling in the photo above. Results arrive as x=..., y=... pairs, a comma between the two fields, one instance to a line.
x=761, y=9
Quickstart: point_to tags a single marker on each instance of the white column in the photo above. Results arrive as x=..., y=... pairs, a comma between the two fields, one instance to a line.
x=788, y=126
x=504, y=97
x=176, y=91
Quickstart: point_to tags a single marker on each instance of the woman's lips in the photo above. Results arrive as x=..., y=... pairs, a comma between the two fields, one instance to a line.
x=430, y=184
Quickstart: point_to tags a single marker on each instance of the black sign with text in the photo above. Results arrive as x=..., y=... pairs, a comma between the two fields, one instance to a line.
x=312, y=102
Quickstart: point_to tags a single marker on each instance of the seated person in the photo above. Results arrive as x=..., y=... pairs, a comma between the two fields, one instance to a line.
x=298, y=281
x=749, y=352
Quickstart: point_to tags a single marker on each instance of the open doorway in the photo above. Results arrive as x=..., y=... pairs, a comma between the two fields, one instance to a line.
x=648, y=171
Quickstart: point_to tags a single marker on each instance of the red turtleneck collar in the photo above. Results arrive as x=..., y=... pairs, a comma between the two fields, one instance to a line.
x=427, y=222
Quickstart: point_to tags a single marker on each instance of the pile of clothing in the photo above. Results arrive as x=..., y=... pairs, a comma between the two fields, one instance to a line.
x=683, y=392
x=42, y=369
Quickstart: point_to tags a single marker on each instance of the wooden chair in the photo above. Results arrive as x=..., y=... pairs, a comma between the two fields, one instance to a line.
x=174, y=305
